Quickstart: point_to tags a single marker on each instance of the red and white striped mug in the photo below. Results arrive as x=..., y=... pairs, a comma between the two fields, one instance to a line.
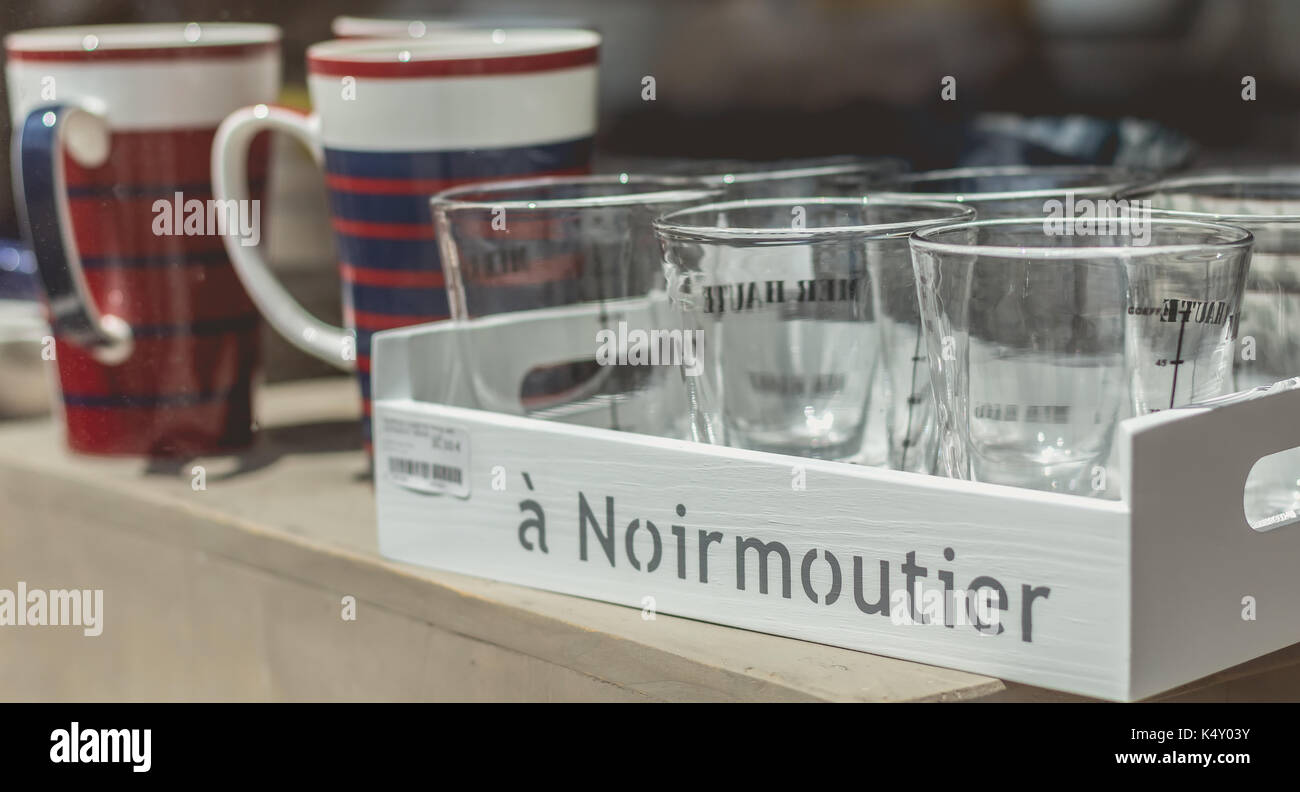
x=156, y=339
x=396, y=121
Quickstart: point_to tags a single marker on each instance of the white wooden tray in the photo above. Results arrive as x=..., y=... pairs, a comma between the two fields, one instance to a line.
x=1116, y=599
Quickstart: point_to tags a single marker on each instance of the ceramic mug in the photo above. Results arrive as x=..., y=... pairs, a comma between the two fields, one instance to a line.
x=394, y=123
x=156, y=339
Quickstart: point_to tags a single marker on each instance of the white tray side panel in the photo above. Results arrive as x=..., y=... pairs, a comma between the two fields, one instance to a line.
x=1062, y=561
x=1195, y=558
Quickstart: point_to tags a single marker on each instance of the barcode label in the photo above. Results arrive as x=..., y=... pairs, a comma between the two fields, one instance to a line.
x=427, y=470
x=424, y=457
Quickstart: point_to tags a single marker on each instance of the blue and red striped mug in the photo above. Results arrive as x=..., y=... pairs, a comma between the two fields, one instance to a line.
x=155, y=338
x=395, y=122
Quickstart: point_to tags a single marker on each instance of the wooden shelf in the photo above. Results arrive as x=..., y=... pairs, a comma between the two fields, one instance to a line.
x=235, y=592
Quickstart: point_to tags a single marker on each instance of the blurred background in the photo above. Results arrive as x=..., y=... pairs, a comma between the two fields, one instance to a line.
x=774, y=78
x=1155, y=83
x=769, y=78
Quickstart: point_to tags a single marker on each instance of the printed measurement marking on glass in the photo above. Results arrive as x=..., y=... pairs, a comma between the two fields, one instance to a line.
x=1183, y=311
x=915, y=397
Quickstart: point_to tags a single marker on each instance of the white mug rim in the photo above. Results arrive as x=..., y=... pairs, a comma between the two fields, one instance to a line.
x=349, y=26
x=144, y=36
x=457, y=44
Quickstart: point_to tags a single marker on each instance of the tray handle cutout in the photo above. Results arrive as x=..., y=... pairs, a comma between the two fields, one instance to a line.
x=1271, y=499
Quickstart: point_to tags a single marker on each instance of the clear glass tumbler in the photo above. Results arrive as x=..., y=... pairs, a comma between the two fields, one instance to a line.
x=1267, y=203
x=1041, y=337
x=552, y=242
x=794, y=305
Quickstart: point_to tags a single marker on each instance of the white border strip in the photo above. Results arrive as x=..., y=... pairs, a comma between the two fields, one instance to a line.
x=171, y=94
x=446, y=113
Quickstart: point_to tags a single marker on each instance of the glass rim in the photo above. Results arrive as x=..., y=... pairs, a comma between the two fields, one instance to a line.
x=674, y=189
x=669, y=226
x=852, y=164
x=892, y=189
x=1243, y=239
x=1136, y=192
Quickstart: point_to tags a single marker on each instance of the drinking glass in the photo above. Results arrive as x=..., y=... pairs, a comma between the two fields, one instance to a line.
x=781, y=299
x=1042, y=337
x=562, y=241
x=1267, y=203
x=1012, y=190
x=843, y=176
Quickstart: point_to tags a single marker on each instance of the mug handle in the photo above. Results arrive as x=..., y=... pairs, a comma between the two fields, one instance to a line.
x=334, y=345
x=46, y=221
